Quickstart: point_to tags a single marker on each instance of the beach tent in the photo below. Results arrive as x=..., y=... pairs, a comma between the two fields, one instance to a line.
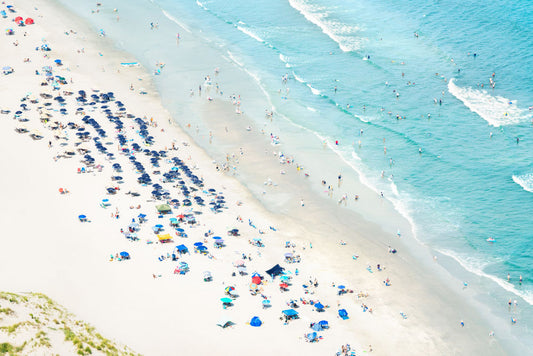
x=324, y=324
x=256, y=321
x=182, y=248
x=29, y=21
x=290, y=313
x=164, y=238
x=275, y=271
x=163, y=208
x=343, y=314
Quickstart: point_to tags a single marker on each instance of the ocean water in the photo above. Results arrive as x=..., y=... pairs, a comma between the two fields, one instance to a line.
x=406, y=89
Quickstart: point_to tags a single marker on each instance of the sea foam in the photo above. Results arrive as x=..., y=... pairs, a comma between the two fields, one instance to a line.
x=342, y=34
x=250, y=34
x=525, y=181
x=496, y=110
x=173, y=19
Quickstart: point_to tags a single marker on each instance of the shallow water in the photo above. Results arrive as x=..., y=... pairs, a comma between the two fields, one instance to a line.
x=416, y=117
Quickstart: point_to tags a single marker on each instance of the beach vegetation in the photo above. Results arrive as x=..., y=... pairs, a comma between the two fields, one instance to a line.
x=12, y=328
x=9, y=349
x=7, y=311
x=69, y=334
x=12, y=297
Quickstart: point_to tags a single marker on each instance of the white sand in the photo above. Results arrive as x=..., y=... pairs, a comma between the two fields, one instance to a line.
x=45, y=248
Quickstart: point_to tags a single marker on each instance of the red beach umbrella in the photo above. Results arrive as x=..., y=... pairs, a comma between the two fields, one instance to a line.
x=256, y=280
x=283, y=285
x=18, y=18
x=29, y=21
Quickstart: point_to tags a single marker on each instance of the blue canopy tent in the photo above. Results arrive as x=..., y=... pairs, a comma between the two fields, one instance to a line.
x=290, y=314
x=256, y=322
x=182, y=248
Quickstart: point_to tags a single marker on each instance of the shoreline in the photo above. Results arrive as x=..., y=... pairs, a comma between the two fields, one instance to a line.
x=330, y=251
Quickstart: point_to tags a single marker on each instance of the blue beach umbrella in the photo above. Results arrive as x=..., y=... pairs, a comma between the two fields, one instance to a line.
x=256, y=322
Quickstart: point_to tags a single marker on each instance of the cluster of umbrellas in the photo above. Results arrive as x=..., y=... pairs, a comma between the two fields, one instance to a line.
x=90, y=121
x=199, y=246
x=21, y=22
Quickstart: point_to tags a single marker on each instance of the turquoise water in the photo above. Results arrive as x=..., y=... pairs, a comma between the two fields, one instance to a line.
x=416, y=78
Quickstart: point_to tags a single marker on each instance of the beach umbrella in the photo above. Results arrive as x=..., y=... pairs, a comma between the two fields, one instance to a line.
x=324, y=323
x=201, y=248
x=283, y=285
x=226, y=300
x=198, y=244
x=238, y=263
x=265, y=302
x=312, y=336
x=256, y=322
x=288, y=255
x=256, y=280
x=343, y=314
x=319, y=306
x=229, y=289
x=341, y=287
x=317, y=327
x=217, y=238
x=29, y=21
x=18, y=18
x=124, y=254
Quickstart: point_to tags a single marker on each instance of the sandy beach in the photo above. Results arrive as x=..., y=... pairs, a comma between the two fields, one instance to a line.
x=90, y=156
